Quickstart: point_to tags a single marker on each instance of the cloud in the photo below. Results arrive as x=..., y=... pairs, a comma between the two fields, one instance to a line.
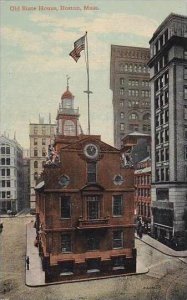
x=28, y=41
x=104, y=23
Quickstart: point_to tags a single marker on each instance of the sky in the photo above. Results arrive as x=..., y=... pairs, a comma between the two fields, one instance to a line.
x=36, y=39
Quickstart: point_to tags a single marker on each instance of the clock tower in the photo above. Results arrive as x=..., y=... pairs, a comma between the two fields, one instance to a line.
x=67, y=115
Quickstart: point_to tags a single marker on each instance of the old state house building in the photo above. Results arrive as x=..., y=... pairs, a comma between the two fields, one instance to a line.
x=85, y=206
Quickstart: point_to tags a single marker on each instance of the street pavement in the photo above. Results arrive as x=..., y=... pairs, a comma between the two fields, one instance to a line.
x=161, y=247
x=166, y=279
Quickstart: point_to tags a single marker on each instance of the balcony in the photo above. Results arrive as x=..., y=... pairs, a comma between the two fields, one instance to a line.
x=93, y=223
x=68, y=111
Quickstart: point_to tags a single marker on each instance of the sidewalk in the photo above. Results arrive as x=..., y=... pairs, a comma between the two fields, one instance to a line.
x=161, y=247
x=35, y=276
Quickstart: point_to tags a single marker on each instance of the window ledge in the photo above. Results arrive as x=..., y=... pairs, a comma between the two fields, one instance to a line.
x=66, y=273
x=118, y=268
x=93, y=271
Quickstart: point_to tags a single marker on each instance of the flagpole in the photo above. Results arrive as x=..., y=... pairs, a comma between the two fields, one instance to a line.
x=88, y=92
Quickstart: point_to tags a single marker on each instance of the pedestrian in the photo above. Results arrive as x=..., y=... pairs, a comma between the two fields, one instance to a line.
x=27, y=262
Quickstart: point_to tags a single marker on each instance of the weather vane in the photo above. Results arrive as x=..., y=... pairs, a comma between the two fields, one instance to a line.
x=68, y=78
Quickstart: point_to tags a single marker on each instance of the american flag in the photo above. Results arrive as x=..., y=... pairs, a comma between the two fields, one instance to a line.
x=79, y=45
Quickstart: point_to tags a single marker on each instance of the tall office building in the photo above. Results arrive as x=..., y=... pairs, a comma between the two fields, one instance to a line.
x=129, y=81
x=26, y=178
x=168, y=70
x=41, y=136
x=11, y=179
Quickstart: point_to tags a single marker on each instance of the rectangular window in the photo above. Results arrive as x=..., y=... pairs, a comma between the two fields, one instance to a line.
x=118, y=263
x=91, y=172
x=66, y=242
x=8, y=183
x=2, y=161
x=35, y=152
x=117, y=239
x=35, y=141
x=185, y=152
x=92, y=242
x=65, y=207
x=122, y=126
x=2, y=172
x=3, y=183
x=185, y=132
x=185, y=73
x=8, y=161
x=185, y=112
x=162, y=194
x=185, y=172
x=117, y=205
x=43, y=141
x=185, y=93
x=7, y=150
x=93, y=265
x=2, y=150
x=93, y=208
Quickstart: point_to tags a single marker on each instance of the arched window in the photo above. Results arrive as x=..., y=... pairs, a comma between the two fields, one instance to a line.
x=133, y=116
x=69, y=128
x=35, y=164
x=147, y=117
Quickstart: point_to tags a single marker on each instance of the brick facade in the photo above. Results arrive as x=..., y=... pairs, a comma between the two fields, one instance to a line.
x=85, y=212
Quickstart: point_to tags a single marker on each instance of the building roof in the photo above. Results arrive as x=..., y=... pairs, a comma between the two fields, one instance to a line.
x=144, y=170
x=67, y=95
x=165, y=22
x=13, y=142
x=145, y=159
x=136, y=133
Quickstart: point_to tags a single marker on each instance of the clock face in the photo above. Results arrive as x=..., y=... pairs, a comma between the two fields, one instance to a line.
x=91, y=151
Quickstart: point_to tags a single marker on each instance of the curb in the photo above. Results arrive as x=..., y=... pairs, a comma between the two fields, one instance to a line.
x=172, y=255
x=87, y=279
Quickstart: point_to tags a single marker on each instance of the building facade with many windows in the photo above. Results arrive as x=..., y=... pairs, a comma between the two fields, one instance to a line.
x=168, y=69
x=129, y=82
x=85, y=212
x=41, y=136
x=11, y=177
x=142, y=181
